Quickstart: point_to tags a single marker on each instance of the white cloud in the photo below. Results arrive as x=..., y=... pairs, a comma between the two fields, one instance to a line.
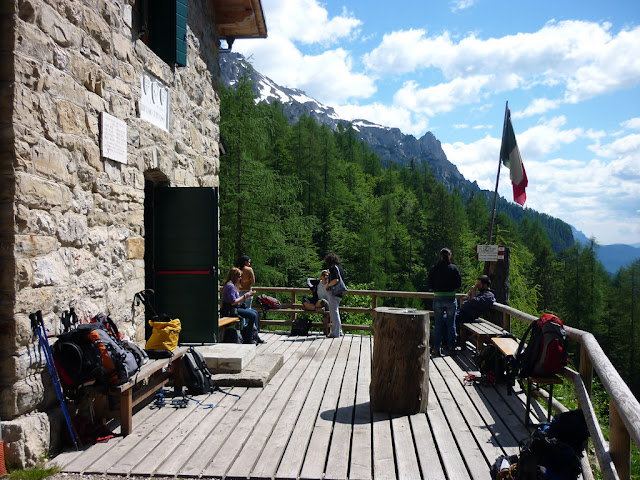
x=583, y=56
x=307, y=21
x=461, y=4
x=632, y=123
x=598, y=197
x=390, y=116
x=545, y=138
x=443, y=97
x=537, y=107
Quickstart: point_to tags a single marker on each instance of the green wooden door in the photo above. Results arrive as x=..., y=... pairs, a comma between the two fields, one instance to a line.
x=185, y=259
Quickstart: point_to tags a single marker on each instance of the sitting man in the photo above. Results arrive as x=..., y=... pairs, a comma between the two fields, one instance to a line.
x=480, y=300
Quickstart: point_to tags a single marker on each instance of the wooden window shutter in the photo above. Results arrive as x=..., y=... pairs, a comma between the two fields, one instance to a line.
x=181, y=32
x=168, y=30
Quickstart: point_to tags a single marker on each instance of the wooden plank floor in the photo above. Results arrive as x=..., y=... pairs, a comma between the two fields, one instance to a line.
x=312, y=421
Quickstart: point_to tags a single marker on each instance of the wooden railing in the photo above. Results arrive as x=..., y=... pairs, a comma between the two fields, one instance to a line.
x=624, y=409
x=373, y=294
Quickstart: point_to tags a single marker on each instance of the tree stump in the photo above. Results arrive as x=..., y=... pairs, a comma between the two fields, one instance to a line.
x=400, y=367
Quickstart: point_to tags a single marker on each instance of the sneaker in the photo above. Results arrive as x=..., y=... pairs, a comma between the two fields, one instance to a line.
x=435, y=352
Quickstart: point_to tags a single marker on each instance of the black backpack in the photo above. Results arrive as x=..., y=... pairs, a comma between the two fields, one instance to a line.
x=197, y=375
x=300, y=327
x=231, y=335
x=544, y=348
x=487, y=358
x=543, y=456
x=93, y=353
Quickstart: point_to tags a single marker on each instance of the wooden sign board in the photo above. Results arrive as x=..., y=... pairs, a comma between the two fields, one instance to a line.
x=490, y=253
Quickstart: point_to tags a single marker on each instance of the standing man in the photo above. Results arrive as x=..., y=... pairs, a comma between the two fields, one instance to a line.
x=444, y=279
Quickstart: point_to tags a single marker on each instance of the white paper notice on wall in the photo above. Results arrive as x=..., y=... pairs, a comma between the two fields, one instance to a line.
x=155, y=98
x=113, y=139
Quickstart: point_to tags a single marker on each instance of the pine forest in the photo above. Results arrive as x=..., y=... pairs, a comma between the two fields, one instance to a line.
x=290, y=194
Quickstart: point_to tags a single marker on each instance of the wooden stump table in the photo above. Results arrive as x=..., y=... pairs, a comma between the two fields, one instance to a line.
x=400, y=367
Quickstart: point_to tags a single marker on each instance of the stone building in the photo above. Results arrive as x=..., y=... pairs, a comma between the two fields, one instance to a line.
x=102, y=101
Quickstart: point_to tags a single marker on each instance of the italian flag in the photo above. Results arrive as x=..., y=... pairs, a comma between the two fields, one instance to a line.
x=510, y=156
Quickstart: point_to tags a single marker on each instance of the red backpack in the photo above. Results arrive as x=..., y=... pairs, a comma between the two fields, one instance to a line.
x=268, y=303
x=544, y=348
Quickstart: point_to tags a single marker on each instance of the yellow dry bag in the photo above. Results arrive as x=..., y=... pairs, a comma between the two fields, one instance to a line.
x=164, y=335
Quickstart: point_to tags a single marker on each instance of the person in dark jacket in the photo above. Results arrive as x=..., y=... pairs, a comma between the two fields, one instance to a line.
x=481, y=297
x=444, y=279
x=336, y=272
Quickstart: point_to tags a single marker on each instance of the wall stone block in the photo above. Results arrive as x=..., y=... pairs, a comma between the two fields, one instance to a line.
x=21, y=398
x=72, y=229
x=97, y=27
x=28, y=361
x=71, y=118
x=33, y=43
x=63, y=33
x=50, y=270
x=34, y=245
x=135, y=248
x=26, y=439
x=37, y=192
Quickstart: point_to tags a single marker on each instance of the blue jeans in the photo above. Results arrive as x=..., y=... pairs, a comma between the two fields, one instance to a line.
x=442, y=305
x=250, y=317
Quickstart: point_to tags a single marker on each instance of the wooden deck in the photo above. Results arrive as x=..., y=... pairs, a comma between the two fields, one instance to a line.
x=312, y=421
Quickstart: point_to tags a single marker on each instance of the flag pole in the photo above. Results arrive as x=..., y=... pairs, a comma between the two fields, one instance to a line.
x=495, y=195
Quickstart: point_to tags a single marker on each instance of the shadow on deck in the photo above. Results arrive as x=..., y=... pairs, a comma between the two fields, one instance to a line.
x=312, y=421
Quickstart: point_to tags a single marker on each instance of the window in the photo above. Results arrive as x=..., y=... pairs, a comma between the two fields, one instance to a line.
x=163, y=27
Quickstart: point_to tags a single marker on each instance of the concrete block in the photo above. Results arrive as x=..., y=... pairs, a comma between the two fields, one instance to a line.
x=257, y=374
x=227, y=357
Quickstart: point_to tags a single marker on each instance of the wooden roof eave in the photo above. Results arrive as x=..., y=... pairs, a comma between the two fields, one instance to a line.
x=240, y=19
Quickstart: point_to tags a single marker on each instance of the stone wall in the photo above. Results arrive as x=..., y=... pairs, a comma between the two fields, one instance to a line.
x=71, y=221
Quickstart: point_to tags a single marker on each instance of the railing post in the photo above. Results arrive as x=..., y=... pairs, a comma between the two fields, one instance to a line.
x=586, y=369
x=619, y=443
x=374, y=302
x=293, y=300
x=506, y=321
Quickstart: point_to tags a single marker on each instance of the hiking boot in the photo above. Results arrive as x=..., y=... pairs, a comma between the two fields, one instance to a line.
x=258, y=340
x=435, y=352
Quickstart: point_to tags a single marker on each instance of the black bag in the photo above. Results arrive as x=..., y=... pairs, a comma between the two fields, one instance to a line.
x=197, y=375
x=487, y=359
x=570, y=428
x=228, y=310
x=231, y=335
x=543, y=456
x=300, y=326
x=93, y=353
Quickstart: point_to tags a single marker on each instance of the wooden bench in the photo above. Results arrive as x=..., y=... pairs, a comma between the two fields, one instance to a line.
x=508, y=347
x=483, y=331
x=224, y=321
x=151, y=377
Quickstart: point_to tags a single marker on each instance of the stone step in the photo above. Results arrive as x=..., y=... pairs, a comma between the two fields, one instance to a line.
x=227, y=357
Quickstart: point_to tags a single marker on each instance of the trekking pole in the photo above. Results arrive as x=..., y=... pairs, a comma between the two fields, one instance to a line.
x=37, y=325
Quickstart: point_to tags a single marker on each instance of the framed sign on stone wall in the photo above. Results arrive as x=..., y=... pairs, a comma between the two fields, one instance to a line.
x=113, y=138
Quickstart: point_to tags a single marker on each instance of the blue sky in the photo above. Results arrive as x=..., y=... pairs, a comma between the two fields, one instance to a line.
x=570, y=71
